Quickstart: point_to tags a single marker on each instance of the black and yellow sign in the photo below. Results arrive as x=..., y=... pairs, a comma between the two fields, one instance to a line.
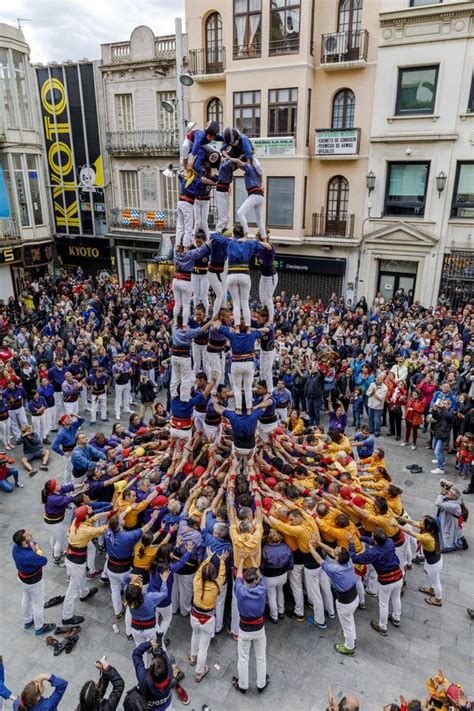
x=69, y=113
x=10, y=255
x=35, y=256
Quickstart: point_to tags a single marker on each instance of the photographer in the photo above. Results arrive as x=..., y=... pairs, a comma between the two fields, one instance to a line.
x=147, y=392
x=442, y=415
x=156, y=682
x=92, y=694
x=449, y=506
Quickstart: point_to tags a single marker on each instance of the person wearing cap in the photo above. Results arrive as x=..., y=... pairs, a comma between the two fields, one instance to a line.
x=250, y=592
x=71, y=389
x=65, y=441
x=15, y=396
x=121, y=373
x=84, y=457
x=29, y=561
x=98, y=381
x=340, y=570
x=81, y=532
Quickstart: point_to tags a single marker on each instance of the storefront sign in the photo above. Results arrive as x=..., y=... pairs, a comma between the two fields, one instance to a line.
x=69, y=112
x=37, y=255
x=10, y=255
x=337, y=143
x=79, y=251
x=274, y=146
x=305, y=265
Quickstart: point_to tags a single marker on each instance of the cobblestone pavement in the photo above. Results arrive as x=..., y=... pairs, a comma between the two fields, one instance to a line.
x=301, y=660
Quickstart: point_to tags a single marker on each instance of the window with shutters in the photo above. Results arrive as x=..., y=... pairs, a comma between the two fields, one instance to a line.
x=167, y=121
x=129, y=187
x=148, y=186
x=169, y=191
x=124, y=112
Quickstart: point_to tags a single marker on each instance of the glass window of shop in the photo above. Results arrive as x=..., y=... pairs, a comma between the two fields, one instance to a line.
x=22, y=179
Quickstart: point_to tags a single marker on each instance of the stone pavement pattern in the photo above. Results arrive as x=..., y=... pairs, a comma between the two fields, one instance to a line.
x=301, y=660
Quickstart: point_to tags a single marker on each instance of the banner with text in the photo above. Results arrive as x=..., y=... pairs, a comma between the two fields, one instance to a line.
x=344, y=142
x=274, y=146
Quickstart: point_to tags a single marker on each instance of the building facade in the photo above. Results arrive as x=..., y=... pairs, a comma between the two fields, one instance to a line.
x=25, y=234
x=298, y=79
x=138, y=77
x=419, y=234
x=74, y=161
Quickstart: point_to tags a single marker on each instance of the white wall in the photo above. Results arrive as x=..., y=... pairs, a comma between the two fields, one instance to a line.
x=6, y=284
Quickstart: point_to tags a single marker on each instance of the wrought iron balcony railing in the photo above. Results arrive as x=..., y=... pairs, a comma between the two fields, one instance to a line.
x=124, y=218
x=331, y=224
x=207, y=61
x=344, y=47
x=9, y=229
x=149, y=141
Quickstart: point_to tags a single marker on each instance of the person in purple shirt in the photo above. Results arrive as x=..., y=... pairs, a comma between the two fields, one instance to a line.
x=251, y=593
x=337, y=417
x=15, y=395
x=56, y=499
x=277, y=560
x=268, y=278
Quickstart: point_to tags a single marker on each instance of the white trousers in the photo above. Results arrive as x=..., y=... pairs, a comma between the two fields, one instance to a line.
x=182, y=292
x=59, y=404
x=220, y=607
x=265, y=429
x=140, y=636
x=17, y=420
x=164, y=615
x=77, y=586
x=222, y=205
x=275, y=597
x=345, y=614
x=296, y=584
x=239, y=287
x=266, y=289
x=216, y=364
x=198, y=419
x=181, y=434
x=200, y=359
x=38, y=423
x=200, y=287
x=267, y=359
x=184, y=223
x=201, y=216
x=242, y=378
x=67, y=467
x=83, y=396
x=389, y=593
x=181, y=375
x=213, y=434
x=72, y=408
x=200, y=640
x=259, y=641
x=402, y=553
x=98, y=401
x=371, y=582
x=182, y=594
x=360, y=589
x=434, y=577
x=255, y=203
x=50, y=416
x=116, y=580
x=5, y=431
x=32, y=603
x=57, y=537
x=318, y=587
x=91, y=551
x=123, y=398
x=218, y=284
x=282, y=413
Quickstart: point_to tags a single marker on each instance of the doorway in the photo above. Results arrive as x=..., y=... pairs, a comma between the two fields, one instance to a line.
x=395, y=275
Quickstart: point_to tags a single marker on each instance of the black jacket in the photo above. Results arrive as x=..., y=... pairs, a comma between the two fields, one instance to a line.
x=443, y=423
x=109, y=676
x=147, y=391
x=314, y=385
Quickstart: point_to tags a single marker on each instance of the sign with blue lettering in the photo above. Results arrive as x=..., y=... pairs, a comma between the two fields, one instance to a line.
x=4, y=204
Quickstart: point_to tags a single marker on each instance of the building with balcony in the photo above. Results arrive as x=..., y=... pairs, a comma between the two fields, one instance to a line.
x=297, y=78
x=420, y=232
x=25, y=233
x=138, y=77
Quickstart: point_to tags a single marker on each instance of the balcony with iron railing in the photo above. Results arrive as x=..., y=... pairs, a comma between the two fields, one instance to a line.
x=286, y=45
x=247, y=51
x=207, y=62
x=133, y=219
x=343, y=50
x=148, y=141
x=9, y=230
x=332, y=225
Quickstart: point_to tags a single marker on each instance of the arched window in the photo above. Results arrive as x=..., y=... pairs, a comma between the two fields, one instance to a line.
x=337, y=205
x=343, y=109
x=214, y=51
x=215, y=111
x=350, y=21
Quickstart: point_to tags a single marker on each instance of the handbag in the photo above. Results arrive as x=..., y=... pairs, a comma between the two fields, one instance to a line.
x=134, y=700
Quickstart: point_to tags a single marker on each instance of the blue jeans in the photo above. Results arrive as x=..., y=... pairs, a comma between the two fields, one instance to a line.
x=357, y=415
x=314, y=409
x=6, y=485
x=438, y=447
x=375, y=420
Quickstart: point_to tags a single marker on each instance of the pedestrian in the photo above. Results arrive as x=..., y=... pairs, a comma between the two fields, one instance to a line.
x=376, y=394
x=7, y=471
x=142, y=608
x=428, y=538
x=15, y=396
x=449, y=518
x=414, y=409
x=56, y=499
x=121, y=372
x=71, y=389
x=98, y=382
x=30, y=561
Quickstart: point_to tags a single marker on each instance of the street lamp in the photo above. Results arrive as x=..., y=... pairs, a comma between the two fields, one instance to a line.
x=170, y=171
x=169, y=106
x=186, y=79
x=441, y=179
x=370, y=181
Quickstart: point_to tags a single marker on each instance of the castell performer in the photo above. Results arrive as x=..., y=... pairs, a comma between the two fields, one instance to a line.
x=184, y=261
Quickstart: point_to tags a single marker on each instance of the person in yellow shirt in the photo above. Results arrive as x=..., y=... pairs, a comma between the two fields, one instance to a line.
x=145, y=551
x=343, y=462
x=369, y=464
x=206, y=588
x=338, y=442
x=382, y=517
x=126, y=502
x=428, y=537
x=81, y=532
x=377, y=480
x=295, y=424
x=393, y=496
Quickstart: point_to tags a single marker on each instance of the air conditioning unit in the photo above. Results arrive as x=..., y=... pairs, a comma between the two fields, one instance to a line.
x=335, y=46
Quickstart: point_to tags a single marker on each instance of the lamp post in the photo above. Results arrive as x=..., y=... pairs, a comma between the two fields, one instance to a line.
x=370, y=181
x=179, y=85
x=441, y=182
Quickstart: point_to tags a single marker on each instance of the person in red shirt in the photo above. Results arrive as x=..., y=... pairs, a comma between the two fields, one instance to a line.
x=414, y=409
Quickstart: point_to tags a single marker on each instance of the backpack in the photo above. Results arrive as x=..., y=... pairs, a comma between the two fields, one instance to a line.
x=134, y=698
x=464, y=512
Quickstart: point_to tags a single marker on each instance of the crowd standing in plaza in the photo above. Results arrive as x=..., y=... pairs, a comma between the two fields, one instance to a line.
x=230, y=502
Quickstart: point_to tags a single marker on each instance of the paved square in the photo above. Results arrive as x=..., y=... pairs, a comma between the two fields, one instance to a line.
x=301, y=660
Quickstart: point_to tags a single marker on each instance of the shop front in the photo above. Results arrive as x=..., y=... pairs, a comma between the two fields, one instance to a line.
x=10, y=277
x=307, y=276
x=92, y=255
x=136, y=256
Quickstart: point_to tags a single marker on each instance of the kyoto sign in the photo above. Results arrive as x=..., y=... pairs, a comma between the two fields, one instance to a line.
x=274, y=146
x=337, y=142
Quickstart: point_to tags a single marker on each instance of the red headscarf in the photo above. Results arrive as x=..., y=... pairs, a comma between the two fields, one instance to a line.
x=80, y=515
